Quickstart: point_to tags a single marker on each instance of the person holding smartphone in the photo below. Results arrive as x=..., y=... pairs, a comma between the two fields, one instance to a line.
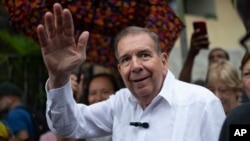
x=200, y=40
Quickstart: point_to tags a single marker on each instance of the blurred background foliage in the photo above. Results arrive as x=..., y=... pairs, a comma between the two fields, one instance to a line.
x=21, y=63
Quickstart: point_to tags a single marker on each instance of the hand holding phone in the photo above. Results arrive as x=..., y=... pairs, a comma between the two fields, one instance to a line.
x=199, y=38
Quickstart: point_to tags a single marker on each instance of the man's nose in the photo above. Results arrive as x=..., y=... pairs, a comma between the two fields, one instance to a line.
x=136, y=64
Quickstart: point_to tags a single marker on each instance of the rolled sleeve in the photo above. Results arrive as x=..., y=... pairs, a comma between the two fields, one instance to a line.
x=60, y=109
x=60, y=96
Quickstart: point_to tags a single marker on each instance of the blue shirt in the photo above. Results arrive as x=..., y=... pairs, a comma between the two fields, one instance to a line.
x=20, y=119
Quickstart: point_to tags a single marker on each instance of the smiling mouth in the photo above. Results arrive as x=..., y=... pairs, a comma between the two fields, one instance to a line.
x=139, y=80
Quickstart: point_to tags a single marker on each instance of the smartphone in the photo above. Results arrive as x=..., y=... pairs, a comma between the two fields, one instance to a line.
x=202, y=30
x=201, y=26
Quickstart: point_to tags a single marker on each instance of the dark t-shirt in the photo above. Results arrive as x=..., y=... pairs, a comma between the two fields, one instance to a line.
x=239, y=115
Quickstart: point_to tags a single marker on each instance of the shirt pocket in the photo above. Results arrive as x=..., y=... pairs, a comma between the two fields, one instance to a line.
x=121, y=131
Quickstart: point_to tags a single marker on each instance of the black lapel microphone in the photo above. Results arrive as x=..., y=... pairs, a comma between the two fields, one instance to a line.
x=141, y=124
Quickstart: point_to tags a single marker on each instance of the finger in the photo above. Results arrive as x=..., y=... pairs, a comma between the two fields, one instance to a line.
x=200, y=38
x=81, y=80
x=82, y=43
x=68, y=23
x=42, y=36
x=73, y=77
x=58, y=18
x=74, y=87
x=201, y=44
x=49, y=24
x=73, y=82
x=204, y=43
x=196, y=34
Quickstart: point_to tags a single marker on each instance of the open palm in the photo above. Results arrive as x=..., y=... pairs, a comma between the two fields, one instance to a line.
x=60, y=52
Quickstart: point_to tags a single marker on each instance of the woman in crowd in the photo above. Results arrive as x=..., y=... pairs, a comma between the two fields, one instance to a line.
x=223, y=80
x=241, y=114
x=245, y=73
x=99, y=88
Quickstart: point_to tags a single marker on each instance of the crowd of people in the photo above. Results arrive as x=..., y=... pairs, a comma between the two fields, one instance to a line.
x=153, y=104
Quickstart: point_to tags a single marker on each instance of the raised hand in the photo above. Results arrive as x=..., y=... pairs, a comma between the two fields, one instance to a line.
x=198, y=42
x=77, y=86
x=61, y=54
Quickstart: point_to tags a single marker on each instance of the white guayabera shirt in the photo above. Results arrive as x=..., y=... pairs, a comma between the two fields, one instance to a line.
x=180, y=112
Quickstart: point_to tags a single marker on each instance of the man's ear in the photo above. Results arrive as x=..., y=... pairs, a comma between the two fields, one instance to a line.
x=164, y=59
x=119, y=68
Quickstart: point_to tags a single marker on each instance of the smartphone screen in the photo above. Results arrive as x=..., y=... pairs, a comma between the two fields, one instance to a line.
x=201, y=26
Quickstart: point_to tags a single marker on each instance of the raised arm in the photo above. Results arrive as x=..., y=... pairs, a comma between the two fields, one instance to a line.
x=61, y=54
x=198, y=42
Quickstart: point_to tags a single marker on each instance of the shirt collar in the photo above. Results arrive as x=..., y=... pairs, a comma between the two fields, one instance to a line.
x=166, y=91
x=168, y=88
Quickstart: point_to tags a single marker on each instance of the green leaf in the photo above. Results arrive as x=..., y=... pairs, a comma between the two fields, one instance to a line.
x=19, y=44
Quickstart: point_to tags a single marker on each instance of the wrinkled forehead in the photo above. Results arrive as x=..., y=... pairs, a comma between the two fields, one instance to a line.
x=133, y=34
x=142, y=36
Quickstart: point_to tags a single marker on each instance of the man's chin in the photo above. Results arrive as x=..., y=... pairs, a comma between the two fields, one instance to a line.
x=143, y=92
